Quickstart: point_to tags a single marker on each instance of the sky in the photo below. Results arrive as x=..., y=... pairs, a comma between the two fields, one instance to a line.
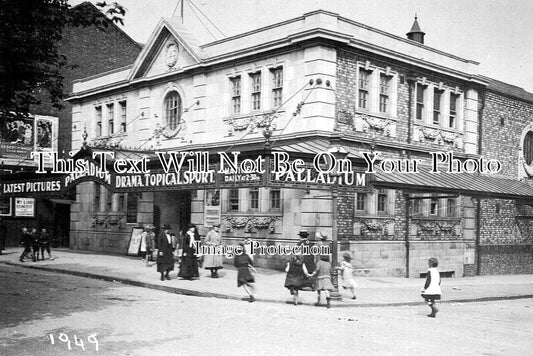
x=496, y=33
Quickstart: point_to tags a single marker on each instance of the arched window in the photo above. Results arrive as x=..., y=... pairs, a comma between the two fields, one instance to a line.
x=172, y=110
x=528, y=147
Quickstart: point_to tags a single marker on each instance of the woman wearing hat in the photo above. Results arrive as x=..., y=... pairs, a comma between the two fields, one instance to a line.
x=213, y=262
x=165, y=258
x=189, y=263
x=348, y=281
x=308, y=259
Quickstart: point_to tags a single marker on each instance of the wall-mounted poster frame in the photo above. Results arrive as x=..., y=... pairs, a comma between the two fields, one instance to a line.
x=25, y=207
x=6, y=205
x=135, y=241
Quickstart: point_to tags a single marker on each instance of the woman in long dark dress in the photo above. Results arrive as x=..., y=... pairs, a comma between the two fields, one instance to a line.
x=297, y=277
x=165, y=257
x=245, y=278
x=189, y=262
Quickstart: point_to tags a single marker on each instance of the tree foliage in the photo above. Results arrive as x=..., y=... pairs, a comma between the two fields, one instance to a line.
x=30, y=62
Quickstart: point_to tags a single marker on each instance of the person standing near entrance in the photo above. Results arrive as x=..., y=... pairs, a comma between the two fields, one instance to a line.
x=26, y=241
x=44, y=243
x=35, y=244
x=165, y=258
x=213, y=262
x=189, y=262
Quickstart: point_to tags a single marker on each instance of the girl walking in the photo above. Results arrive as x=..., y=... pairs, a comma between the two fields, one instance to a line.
x=431, y=290
x=296, y=277
x=348, y=280
x=245, y=278
x=323, y=279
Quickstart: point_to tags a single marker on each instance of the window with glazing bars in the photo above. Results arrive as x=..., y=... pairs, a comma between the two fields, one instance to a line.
x=434, y=206
x=275, y=199
x=254, y=198
x=173, y=110
x=450, y=207
x=256, y=90
x=384, y=87
x=111, y=118
x=236, y=95
x=234, y=199
x=98, y=111
x=420, y=93
x=360, y=203
x=382, y=200
x=528, y=147
x=123, y=116
x=453, y=110
x=437, y=95
x=364, y=86
x=277, y=87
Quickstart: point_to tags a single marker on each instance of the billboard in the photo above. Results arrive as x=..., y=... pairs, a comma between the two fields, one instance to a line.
x=21, y=136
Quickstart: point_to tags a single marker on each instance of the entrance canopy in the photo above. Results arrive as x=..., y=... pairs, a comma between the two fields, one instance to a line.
x=475, y=185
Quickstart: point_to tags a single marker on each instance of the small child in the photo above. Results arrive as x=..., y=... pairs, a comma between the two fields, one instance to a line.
x=246, y=271
x=431, y=291
x=323, y=279
x=348, y=281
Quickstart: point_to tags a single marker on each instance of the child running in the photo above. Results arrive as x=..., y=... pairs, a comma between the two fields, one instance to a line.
x=431, y=291
x=323, y=279
x=245, y=278
x=348, y=281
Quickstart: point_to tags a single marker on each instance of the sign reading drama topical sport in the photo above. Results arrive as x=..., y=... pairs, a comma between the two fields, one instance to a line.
x=25, y=207
x=135, y=241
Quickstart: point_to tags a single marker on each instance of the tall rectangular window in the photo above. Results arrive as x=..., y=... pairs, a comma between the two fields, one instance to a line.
x=236, y=95
x=382, y=200
x=254, y=198
x=417, y=206
x=123, y=116
x=275, y=199
x=437, y=95
x=364, y=87
x=234, y=199
x=453, y=110
x=361, y=202
x=98, y=114
x=384, y=88
x=434, y=206
x=110, y=118
x=420, y=93
x=256, y=90
x=277, y=87
x=450, y=207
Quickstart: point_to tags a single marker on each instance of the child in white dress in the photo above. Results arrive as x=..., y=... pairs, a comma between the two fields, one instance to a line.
x=348, y=280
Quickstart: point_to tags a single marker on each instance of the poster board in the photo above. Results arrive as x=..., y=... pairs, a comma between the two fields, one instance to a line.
x=135, y=241
x=25, y=207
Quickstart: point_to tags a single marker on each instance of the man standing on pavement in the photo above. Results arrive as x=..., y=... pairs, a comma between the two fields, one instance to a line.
x=44, y=244
x=26, y=241
x=165, y=257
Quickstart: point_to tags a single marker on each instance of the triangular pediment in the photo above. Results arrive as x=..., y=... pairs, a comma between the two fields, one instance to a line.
x=170, y=48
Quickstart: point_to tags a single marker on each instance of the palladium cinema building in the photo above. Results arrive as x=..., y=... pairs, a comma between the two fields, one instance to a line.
x=192, y=133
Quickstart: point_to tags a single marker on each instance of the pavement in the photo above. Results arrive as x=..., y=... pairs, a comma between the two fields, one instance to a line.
x=371, y=291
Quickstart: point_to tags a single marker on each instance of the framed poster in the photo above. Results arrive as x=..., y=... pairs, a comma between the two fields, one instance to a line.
x=212, y=207
x=25, y=207
x=135, y=241
x=5, y=206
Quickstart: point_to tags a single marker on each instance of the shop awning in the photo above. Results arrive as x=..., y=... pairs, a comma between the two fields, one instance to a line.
x=472, y=184
x=62, y=201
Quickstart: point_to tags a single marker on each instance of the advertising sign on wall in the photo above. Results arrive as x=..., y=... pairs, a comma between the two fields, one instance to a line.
x=25, y=207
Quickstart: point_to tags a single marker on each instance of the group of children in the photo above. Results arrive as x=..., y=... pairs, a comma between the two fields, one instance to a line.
x=298, y=278
x=33, y=242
